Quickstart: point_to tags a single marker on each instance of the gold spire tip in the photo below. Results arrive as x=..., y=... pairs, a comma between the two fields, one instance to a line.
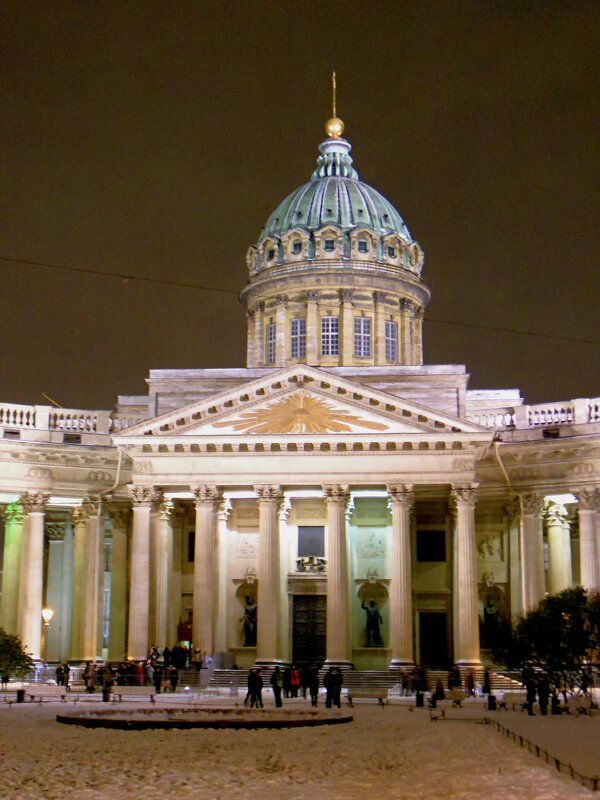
x=334, y=127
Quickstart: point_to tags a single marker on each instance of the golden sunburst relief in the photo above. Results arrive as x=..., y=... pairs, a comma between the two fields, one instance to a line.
x=299, y=413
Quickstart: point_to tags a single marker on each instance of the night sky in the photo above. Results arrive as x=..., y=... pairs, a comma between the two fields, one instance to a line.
x=153, y=139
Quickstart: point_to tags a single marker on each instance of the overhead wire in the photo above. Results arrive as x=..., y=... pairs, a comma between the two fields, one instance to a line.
x=126, y=278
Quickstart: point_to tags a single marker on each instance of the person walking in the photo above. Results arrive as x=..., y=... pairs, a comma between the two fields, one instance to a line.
x=329, y=684
x=277, y=685
x=89, y=677
x=294, y=681
x=255, y=686
x=313, y=684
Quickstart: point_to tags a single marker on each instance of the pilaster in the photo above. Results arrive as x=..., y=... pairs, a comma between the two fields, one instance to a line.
x=313, y=333
x=589, y=535
x=532, y=551
x=13, y=544
x=34, y=505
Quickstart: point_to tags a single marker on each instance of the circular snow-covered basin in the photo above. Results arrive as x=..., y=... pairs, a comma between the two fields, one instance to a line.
x=140, y=719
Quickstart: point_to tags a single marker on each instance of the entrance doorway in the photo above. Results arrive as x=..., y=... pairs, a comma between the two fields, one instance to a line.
x=309, y=628
x=433, y=639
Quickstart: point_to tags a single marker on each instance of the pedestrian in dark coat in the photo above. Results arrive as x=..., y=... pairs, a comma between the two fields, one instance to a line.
x=277, y=685
x=313, y=684
x=255, y=686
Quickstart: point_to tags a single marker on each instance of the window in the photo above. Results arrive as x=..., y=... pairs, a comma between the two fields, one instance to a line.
x=391, y=251
x=311, y=540
x=431, y=545
x=271, y=254
x=296, y=247
x=363, y=246
x=270, y=342
x=298, y=338
x=330, y=329
x=391, y=341
x=362, y=337
x=329, y=244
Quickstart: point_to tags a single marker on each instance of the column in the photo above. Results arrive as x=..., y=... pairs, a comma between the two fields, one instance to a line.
x=13, y=543
x=401, y=608
x=93, y=569
x=79, y=516
x=178, y=524
x=281, y=331
x=466, y=635
x=405, y=344
x=251, y=339
x=34, y=505
x=259, y=333
x=532, y=551
x=139, y=575
x=119, y=520
x=560, y=571
x=512, y=511
x=379, y=331
x=220, y=577
x=417, y=337
x=313, y=331
x=58, y=589
x=338, y=600
x=346, y=328
x=154, y=509
x=267, y=643
x=163, y=569
x=208, y=499
x=589, y=502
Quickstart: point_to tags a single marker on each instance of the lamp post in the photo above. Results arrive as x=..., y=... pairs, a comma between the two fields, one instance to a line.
x=47, y=614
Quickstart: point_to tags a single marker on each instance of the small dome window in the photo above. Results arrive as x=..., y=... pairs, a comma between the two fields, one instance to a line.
x=271, y=254
x=296, y=247
x=363, y=246
x=329, y=244
x=391, y=251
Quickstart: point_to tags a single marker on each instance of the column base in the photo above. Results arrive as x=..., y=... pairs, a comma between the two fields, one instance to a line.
x=344, y=666
x=399, y=663
x=270, y=663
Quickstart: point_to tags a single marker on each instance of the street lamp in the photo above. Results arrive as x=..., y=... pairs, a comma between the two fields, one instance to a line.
x=47, y=614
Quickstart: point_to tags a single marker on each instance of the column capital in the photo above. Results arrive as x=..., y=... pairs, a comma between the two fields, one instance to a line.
x=13, y=512
x=532, y=504
x=513, y=508
x=141, y=496
x=401, y=494
x=55, y=531
x=118, y=516
x=346, y=295
x=312, y=296
x=555, y=514
x=379, y=298
x=35, y=502
x=271, y=492
x=588, y=499
x=336, y=493
x=165, y=507
x=464, y=495
x=207, y=494
x=281, y=300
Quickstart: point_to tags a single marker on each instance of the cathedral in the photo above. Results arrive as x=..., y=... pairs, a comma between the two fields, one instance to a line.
x=337, y=500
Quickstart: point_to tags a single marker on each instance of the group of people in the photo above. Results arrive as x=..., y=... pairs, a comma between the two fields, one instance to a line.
x=63, y=672
x=286, y=683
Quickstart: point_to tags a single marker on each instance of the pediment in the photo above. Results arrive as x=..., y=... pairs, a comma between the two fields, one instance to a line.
x=300, y=400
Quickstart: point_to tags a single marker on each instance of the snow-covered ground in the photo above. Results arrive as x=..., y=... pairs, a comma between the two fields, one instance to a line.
x=389, y=752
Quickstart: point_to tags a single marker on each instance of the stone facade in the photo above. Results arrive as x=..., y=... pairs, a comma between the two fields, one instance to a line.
x=333, y=477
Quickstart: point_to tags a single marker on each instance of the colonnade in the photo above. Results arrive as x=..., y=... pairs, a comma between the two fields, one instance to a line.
x=147, y=569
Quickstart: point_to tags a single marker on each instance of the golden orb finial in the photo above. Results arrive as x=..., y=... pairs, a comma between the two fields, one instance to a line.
x=334, y=127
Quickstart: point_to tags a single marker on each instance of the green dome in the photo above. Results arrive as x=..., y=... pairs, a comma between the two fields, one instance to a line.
x=335, y=196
